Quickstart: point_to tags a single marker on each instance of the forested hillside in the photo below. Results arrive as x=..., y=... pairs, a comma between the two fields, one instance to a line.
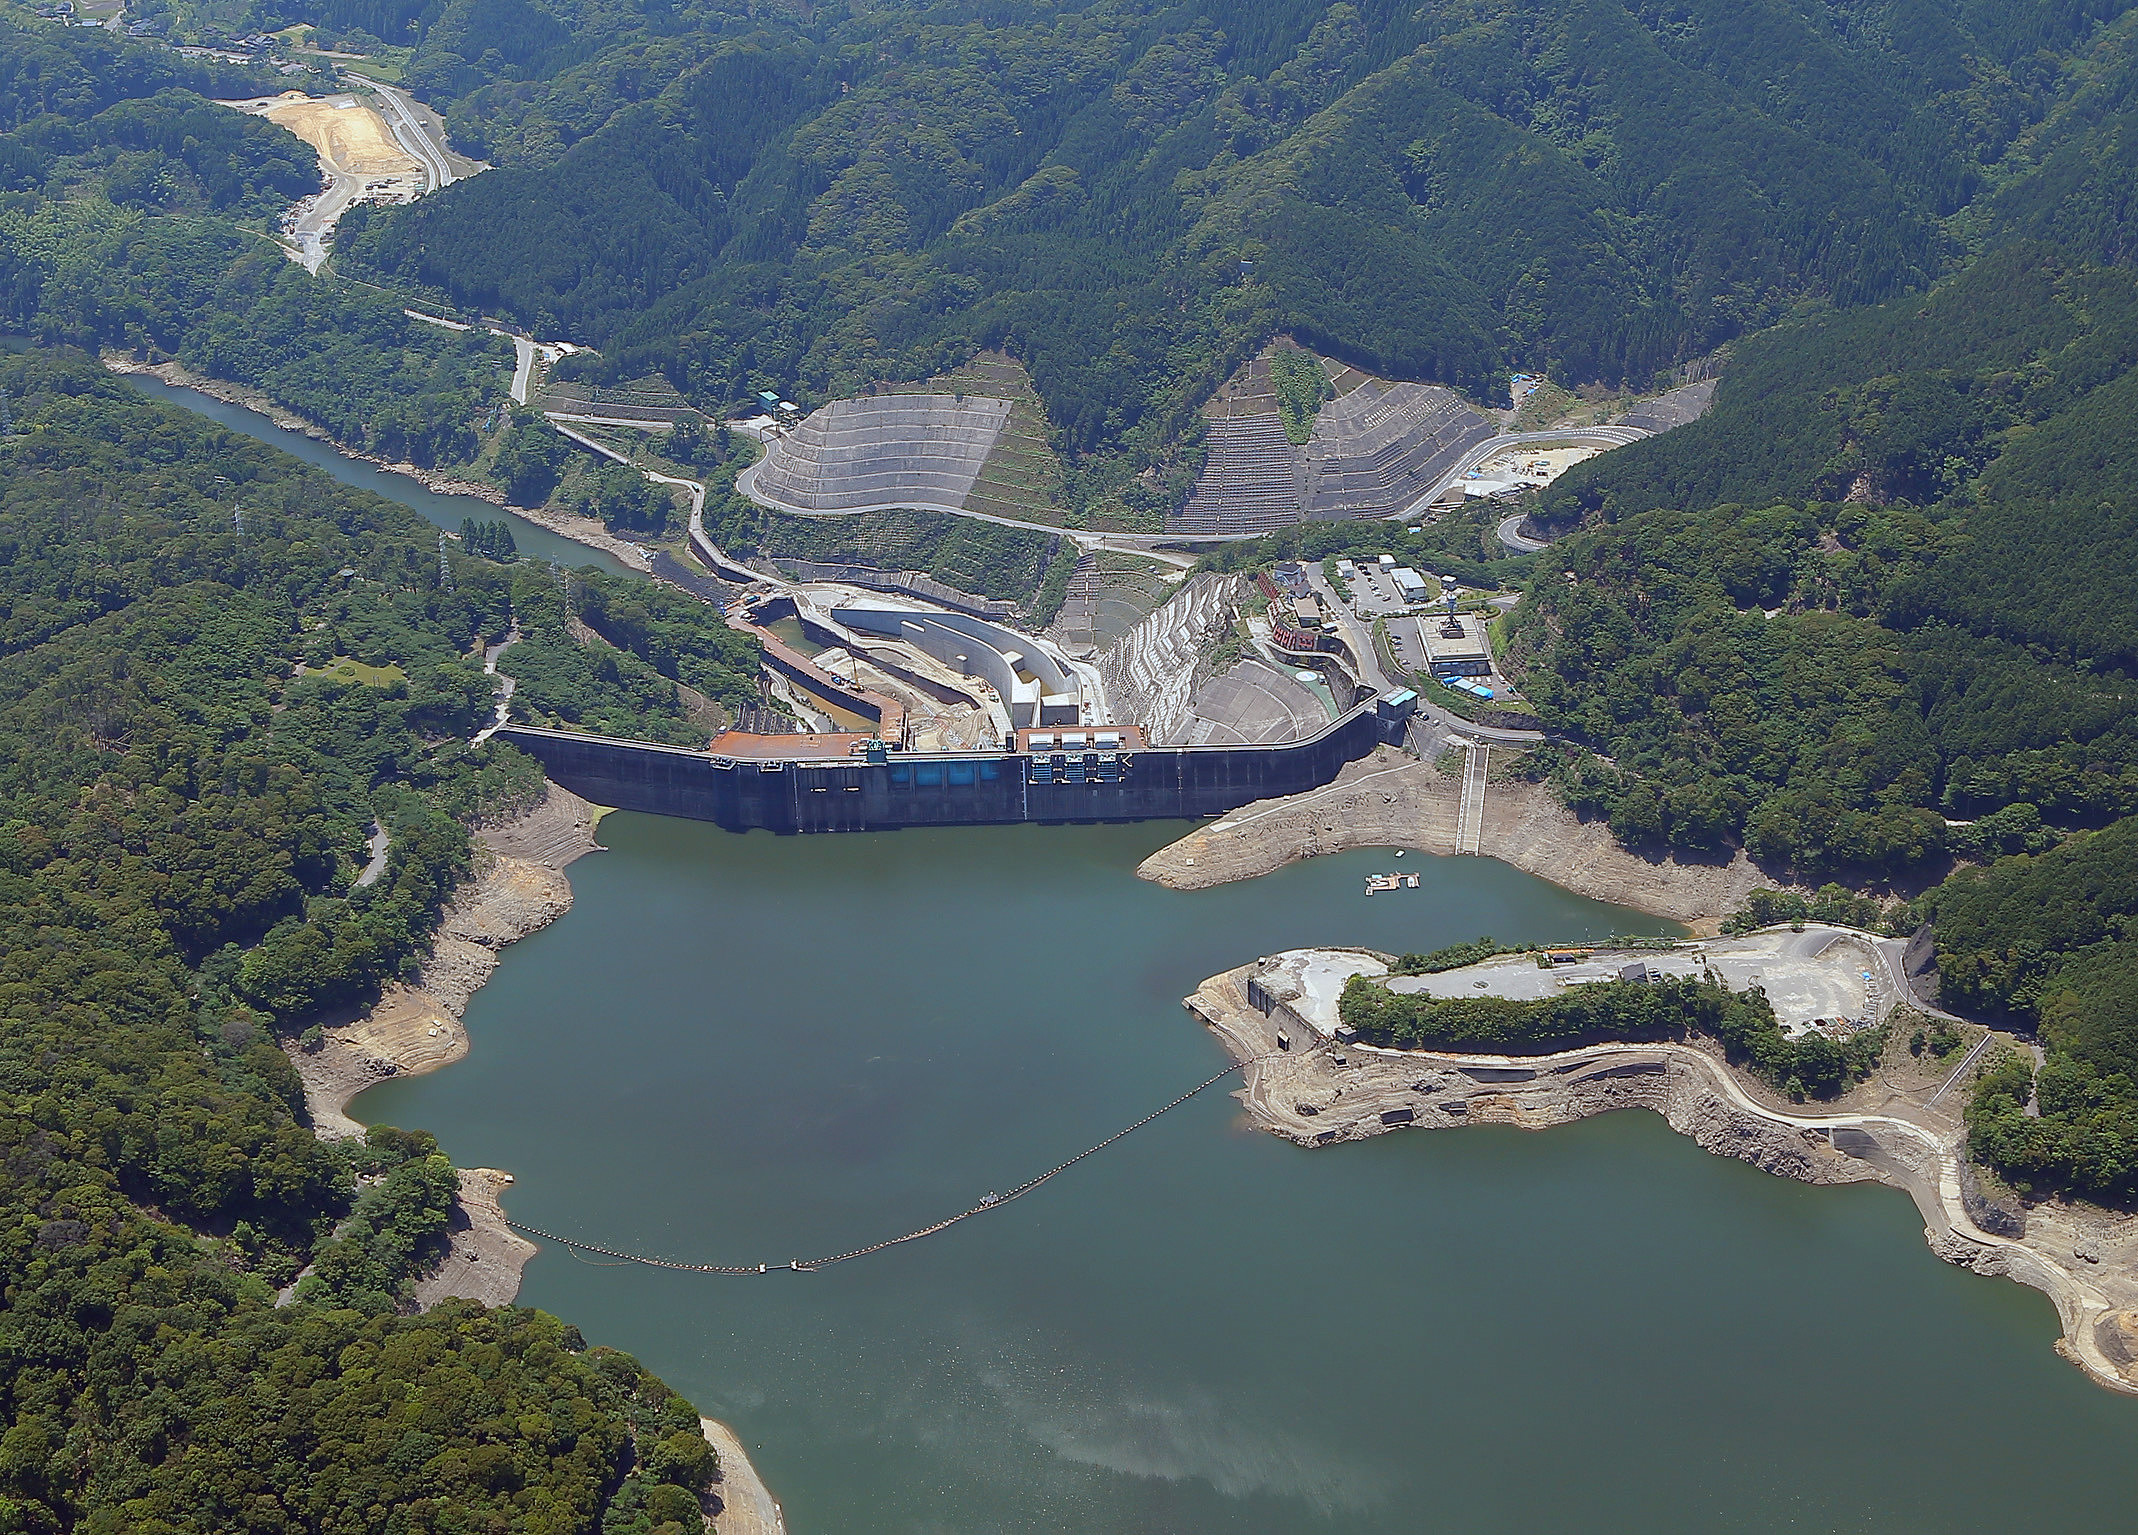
x=1594, y=188
x=133, y=215
x=217, y=669
x=1828, y=680
x=2051, y=941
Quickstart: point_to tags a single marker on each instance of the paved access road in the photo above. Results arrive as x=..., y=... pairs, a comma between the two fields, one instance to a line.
x=1512, y=536
x=415, y=138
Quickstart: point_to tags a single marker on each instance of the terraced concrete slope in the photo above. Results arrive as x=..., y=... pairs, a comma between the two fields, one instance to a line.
x=1252, y=479
x=881, y=451
x=1377, y=448
x=1151, y=672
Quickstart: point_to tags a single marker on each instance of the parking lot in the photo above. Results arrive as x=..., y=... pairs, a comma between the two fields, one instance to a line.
x=1373, y=591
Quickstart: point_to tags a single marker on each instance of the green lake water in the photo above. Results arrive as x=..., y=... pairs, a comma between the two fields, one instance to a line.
x=531, y=539
x=764, y=1048
x=750, y=1049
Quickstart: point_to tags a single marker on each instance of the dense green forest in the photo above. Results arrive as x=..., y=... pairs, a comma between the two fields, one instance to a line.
x=2050, y=941
x=217, y=669
x=618, y=676
x=1628, y=1012
x=1827, y=680
x=133, y=216
x=812, y=201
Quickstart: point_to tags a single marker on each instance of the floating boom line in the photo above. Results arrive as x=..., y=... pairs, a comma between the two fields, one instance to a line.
x=811, y=1265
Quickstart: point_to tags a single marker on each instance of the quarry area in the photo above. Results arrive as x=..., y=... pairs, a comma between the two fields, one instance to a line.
x=1304, y=1081
x=365, y=155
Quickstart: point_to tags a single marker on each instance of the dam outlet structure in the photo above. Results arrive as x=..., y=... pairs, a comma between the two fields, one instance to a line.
x=866, y=787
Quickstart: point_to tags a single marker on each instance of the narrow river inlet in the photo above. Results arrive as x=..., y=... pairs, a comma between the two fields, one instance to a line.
x=736, y=1047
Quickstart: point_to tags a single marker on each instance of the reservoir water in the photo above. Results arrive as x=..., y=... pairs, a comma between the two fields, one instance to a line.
x=531, y=538
x=749, y=1049
x=755, y=1048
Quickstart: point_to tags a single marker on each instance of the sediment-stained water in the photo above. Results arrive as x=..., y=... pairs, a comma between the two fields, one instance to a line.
x=744, y=1049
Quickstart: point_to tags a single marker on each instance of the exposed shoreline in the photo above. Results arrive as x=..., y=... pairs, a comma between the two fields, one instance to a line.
x=580, y=530
x=747, y=1506
x=1391, y=799
x=518, y=887
x=1701, y=1098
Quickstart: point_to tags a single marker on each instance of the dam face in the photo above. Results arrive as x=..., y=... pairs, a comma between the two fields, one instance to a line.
x=944, y=789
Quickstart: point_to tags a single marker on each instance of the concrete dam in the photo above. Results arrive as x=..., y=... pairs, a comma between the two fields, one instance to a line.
x=878, y=790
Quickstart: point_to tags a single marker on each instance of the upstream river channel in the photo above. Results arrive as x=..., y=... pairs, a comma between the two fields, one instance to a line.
x=530, y=538
x=742, y=1049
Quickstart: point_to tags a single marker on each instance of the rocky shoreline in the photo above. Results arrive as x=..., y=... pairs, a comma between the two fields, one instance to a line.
x=1317, y=1094
x=1391, y=799
x=518, y=887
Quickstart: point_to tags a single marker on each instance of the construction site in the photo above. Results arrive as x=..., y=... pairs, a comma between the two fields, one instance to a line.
x=364, y=156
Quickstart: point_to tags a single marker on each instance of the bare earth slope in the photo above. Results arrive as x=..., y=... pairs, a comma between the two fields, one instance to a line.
x=1391, y=799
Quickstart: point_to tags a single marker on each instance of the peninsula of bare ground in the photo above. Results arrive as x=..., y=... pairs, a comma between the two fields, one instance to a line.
x=1895, y=1128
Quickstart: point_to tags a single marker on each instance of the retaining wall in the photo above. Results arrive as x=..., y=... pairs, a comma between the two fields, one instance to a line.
x=986, y=648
